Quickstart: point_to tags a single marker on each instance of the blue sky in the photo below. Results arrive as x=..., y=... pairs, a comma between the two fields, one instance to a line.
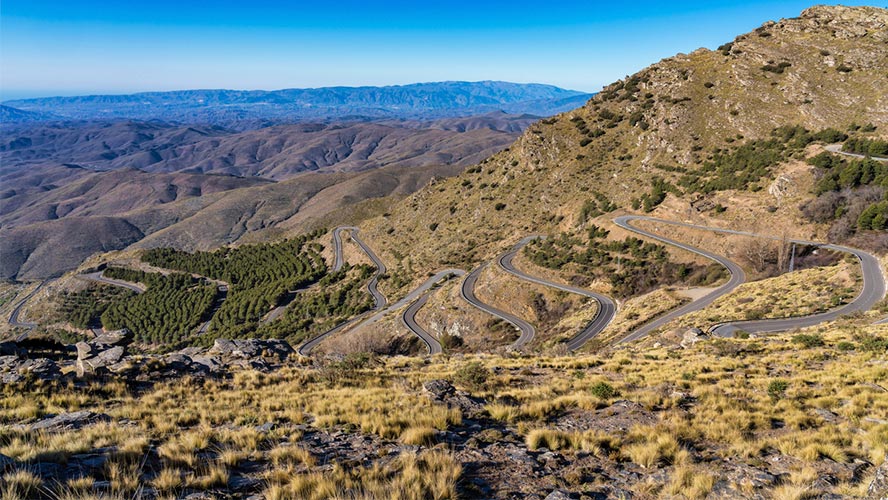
x=67, y=47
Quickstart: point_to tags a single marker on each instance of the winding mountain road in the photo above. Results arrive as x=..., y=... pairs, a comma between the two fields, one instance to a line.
x=408, y=317
x=737, y=277
x=837, y=149
x=372, y=287
x=607, y=308
x=873, y=284
x=16, y=311
x=467, y=291
x=98, y=277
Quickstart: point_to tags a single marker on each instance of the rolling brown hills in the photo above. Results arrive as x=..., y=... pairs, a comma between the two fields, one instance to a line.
x=276, y=152
x=103, y=186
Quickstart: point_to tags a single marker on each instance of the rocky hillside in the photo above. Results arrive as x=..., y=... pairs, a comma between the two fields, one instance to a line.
x=690, y=121
x=719, y=419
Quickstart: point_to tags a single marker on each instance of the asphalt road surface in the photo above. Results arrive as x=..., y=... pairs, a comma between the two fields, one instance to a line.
x=408, y=318
x=607, y=308
x=337, y=246
x=468, y=293
x=97, y=277
x=737, y=277
x=14, y=316
x=872, y=292
x=373, y=287
x=414, y=294
x=837, y=148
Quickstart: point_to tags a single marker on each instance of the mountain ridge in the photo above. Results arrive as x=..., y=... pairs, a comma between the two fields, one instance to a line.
x=415, y=101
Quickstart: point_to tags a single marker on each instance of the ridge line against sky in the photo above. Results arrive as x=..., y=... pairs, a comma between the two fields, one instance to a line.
x=56, y=47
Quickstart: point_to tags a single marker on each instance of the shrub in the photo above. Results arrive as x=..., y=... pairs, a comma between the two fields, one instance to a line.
x=809, y=340
x=449, y=341
x=777, y=389
x=845, y=346
x=873, y=343
x=499, y=206
x=603, y=391
x=874, y=217
x=473, y=375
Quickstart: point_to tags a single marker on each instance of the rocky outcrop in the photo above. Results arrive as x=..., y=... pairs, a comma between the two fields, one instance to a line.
x=107, y=355
x=15, y=369
x=101, y=352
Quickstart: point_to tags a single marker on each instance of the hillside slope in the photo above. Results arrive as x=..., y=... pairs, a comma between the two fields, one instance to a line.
x=824, y=69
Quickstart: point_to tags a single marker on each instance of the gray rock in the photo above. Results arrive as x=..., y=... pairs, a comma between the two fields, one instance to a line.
x=178, y=359
x=103, y=360
x=439, y=388
x=42, y=368
x=223, y=347
x=265, y=428
x=110, y=356
x=201, y=495
x=112, y=338
x=70, y=421
x=558, y=495
x=8, y=362
x=84, y=350
x=191, y=351
x=878, y=488
x=212, y=363
x=691, y=337
x=88, y=462
x=241, y=483
x=442, y=391
x=826, y=415
x=251, y=348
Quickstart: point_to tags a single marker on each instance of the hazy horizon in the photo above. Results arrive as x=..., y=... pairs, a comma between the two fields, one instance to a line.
x=54, y=48
x=28, y=94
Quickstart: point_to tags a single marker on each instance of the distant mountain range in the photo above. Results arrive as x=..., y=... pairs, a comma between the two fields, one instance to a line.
x=419, y=101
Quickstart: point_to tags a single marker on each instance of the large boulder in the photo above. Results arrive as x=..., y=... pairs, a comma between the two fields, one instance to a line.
x=85, y=350
x=100, y=361
x=439, y=389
